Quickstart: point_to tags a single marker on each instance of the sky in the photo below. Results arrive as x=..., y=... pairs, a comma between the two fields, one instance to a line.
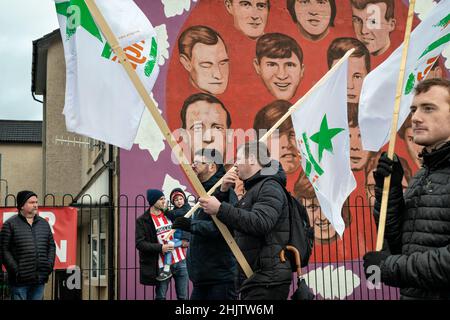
x=21, y=22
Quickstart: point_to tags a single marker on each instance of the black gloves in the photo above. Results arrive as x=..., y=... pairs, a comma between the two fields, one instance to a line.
x=182, y=223
x=374, y=258
x=388, y=167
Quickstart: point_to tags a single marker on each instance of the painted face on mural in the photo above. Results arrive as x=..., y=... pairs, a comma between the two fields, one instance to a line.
x=436, y=72
x=206, y=124
x=313, y=18
x=413, y=148
x=358, y=156
x=357, y=71
x=372, y=28
x=281, y=76
x=208, y=67
x=288, y=153
x=250, y=16
x=323, y=230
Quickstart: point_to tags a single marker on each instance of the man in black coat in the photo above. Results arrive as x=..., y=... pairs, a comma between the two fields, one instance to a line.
x=418, y=222
x=211, y=264
x=260, y=221
x=151, y=229
x=28, y=249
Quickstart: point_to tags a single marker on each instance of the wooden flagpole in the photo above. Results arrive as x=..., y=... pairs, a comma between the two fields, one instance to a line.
x=394, y=125
x=113, y=42
x=283, y=118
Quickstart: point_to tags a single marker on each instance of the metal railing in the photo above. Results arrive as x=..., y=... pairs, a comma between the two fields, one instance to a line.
x=107, y=262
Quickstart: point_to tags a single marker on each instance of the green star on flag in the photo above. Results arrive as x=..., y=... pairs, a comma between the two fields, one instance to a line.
x=324, y=136
x=85, y=19
x=330, y=175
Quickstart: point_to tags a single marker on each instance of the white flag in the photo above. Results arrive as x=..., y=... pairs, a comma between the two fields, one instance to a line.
x=376, y=104
x=321, y=127
x=101, y=101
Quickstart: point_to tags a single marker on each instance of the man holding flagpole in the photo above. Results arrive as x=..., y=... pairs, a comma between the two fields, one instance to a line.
x=322, y=133
x=260, y=221
x=418, y=223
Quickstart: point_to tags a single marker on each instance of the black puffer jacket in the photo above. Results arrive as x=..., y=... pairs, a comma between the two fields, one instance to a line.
x=28, y=251
x=149, y=249
x=209, y=258
x=418, y=231
x=261, y=224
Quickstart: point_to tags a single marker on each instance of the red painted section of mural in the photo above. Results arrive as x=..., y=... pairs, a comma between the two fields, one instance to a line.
x=246, y=94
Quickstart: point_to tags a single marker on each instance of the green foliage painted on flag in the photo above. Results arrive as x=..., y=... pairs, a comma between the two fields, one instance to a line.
x=410, y=83
x=439, y=42
x=150, y=65
x=444, y=22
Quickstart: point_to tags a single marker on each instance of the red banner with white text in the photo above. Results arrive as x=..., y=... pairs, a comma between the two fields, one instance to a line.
x=63, y=223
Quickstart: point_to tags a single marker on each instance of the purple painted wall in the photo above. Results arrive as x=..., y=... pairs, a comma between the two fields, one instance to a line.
x=138, y=170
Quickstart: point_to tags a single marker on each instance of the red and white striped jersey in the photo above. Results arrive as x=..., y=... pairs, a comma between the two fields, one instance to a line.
x=163, y=225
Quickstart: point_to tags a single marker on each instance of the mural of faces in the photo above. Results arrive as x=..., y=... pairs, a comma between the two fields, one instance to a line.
x=313, y=18
x=206, y=124
x=250, y=16
x=372, y=28
x=281, y=76
x=413, y=148
x=357, y=71
x=358, y=156
x=208, y=67
x=277, y=59
x=323, y=230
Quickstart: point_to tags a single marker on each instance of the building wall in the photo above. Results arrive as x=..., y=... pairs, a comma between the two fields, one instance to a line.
x=22, y=168
x=62, y=163
x=69, y=168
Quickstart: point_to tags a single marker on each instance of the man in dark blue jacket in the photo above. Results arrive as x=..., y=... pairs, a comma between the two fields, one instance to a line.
x=211, y=264
x=260, y=221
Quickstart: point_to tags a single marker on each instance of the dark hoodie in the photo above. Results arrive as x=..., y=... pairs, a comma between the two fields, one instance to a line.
x=260, y=221
x=179, y=212
x=209, y=258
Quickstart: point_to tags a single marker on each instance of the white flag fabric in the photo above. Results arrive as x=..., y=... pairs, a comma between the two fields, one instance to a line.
x=376, y=104
x=321, y=128
x=101, y=101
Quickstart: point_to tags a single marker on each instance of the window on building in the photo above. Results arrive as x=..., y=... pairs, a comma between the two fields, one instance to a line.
x=98, y=251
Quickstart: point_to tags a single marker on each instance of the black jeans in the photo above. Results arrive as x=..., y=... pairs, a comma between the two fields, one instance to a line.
x=223, y=291
x=278, y=292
